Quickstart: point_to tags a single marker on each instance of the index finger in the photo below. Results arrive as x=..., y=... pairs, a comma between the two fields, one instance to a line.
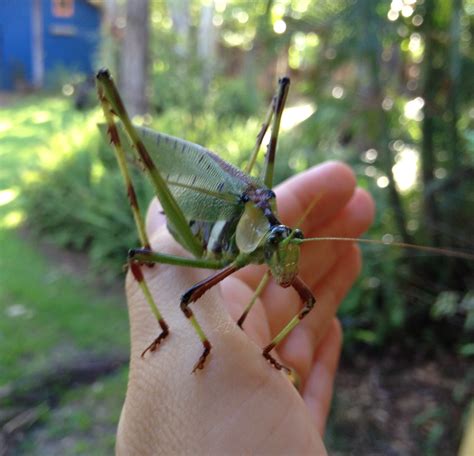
x=332, y=183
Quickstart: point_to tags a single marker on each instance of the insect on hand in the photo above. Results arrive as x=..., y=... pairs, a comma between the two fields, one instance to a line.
x=224, y=217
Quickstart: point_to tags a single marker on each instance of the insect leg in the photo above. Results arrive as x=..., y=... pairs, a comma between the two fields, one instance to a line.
x=122, y=162
x=257, y=293
x=260, y=136
x=271, y=149
x=149, y=256
x=138, y=257
x=173, y=212
x=309, y=301
x=193, y=294
x=138, y=275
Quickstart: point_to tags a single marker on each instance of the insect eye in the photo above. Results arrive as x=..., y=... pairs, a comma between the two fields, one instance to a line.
x=280, y=230
x=298, y=234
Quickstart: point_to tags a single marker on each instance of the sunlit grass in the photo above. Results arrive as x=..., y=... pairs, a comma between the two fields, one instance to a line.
x=46, y=314
x=39, y=132
x=8, y=195
x=12, y=219
x=40, y=117
x=5, y=125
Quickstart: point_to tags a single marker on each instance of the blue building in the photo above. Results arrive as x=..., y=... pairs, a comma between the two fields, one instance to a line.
x=38, y=37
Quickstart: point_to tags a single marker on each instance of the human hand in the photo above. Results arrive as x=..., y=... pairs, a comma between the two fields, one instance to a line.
x=239, y=403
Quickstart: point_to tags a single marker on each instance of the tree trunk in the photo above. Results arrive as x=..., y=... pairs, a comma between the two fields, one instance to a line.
x=456, y=151
x=179, y=11
x=428, y=160
x=207, y=44
x=110, y=42
x=134, y=59
x=381, y=128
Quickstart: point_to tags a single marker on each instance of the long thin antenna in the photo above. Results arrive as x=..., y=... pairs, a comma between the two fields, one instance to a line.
x=310, y=207
x=306, y=212
x=424, y=248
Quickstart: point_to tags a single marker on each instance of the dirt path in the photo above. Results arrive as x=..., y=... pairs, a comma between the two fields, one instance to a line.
x=399, y=407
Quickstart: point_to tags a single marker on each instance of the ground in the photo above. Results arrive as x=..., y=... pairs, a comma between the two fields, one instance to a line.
x=382, y=405
x=393, y=407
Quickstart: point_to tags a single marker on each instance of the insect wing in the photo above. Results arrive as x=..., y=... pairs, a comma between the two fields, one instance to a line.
x=206, y=187
x=191, y=171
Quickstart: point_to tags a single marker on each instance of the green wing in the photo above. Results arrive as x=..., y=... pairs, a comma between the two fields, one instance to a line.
x=206, y=187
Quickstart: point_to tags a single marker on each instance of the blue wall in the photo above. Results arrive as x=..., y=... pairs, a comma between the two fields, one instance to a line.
x=74, y=52
x=15, y=41
x=68, y=43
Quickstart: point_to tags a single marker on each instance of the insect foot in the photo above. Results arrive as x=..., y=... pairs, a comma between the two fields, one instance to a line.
x=202, y=359
x=274, y=362
x=154, y=345
x=241, y=320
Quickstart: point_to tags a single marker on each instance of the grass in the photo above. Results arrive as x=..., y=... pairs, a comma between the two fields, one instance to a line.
x=37, y=133
x=47, y=314
x=84, y=422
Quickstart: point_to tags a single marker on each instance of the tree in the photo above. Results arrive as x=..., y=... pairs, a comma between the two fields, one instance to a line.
x=134, y=58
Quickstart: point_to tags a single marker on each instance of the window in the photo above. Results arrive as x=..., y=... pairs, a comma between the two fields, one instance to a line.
x=63, y=8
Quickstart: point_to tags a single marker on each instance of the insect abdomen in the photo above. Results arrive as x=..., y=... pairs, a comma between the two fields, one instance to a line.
x=217, y=238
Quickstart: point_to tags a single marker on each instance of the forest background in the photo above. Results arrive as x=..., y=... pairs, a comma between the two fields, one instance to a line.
x=384, y=86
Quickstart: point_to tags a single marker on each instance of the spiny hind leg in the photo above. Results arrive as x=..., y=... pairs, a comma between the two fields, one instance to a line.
x=309, y=301
x=192, y=295
x=280, y=99
x=135, y=267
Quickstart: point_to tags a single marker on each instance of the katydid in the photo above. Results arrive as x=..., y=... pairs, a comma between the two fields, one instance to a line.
x=224, y=217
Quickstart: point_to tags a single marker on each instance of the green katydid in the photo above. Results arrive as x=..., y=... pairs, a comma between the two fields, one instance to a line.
x=224, y=217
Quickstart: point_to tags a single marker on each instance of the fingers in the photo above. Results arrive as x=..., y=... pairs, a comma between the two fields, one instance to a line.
x=154, y=217
x=318, y=258
x=331, y=183
x=299, y=348
x=163, y=396
x=318, y=391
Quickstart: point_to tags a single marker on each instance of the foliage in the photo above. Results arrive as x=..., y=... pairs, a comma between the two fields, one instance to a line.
x=390, y=88
x=91, y=217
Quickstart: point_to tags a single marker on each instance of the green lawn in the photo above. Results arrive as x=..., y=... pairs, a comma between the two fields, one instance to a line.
x=48, y=315
x=84, y=422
